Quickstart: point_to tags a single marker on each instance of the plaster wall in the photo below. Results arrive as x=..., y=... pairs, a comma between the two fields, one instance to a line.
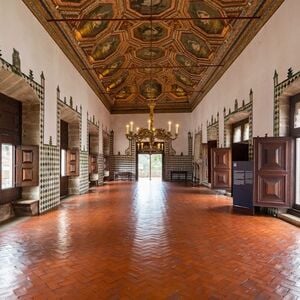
x=275, y=47
x=118, y=123
x=19, y=29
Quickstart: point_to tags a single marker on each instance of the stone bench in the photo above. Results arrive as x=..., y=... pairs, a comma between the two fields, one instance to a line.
x=26, y=207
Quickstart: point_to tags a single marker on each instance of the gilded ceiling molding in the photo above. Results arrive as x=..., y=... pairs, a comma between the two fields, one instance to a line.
x=175, y=59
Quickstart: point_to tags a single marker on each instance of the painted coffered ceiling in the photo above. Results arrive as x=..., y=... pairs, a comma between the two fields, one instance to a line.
x=130, y=51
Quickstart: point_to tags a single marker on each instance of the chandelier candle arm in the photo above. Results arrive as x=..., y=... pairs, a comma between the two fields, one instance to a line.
x=170, y=126
x=153, y=137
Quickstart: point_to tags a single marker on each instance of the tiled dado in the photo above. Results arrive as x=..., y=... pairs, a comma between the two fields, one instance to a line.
x=84, y=172
x=49, y=177
x=100, y=168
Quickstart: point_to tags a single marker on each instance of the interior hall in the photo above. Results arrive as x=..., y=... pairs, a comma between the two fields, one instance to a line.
x=149, y=149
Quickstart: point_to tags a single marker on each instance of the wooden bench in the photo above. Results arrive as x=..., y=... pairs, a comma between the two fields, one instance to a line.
x=26, y=207
x=123, y=176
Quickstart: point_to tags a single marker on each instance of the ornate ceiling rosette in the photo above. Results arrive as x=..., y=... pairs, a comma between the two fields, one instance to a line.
x=131, y=50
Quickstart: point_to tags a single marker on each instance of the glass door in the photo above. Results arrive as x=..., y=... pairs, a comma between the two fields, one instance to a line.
x=144, y=166
x=156, y=166
x=150, y=166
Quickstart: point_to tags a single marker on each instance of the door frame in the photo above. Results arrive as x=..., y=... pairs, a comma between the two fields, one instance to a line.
x=295, y=133
x=148, y=153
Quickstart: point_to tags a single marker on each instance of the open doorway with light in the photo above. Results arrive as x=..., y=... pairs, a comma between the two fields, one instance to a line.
x=150, y=166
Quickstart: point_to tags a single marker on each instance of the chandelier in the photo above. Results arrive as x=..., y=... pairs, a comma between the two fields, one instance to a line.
x=151, y=139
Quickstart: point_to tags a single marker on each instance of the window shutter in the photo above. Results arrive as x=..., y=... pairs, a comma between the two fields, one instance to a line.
x=274, y=171
x=93, y=164
x=72, y=162
x=27, y=166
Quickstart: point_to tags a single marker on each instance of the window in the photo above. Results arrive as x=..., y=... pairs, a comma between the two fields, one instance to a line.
x=240, y=131
x=297, y=171
x=63, y=165
x=246, y=132
x=297, y=115
x=7, y=166
x=237, y=134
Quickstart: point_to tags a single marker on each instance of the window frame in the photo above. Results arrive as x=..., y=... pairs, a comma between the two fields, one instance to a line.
x=295, y=133
x=241, y=124
x=13, y=166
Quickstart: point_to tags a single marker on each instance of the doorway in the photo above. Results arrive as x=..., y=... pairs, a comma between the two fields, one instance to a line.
x=150, y=166
x=10, y=138
x=240, y=140
x=210, y=145
x=64, y=138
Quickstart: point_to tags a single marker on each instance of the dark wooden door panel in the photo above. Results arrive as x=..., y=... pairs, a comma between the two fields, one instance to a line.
x=221, y=179
x=64, y=186
x=221, y=168
x=273, y=171
x=27, y=166
x=272, y=156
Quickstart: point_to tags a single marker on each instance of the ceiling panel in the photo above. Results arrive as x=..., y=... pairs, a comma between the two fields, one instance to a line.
x=136, y=50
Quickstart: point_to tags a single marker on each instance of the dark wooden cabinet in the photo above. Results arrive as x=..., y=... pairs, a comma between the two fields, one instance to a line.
x=273, y=171
x=221, y=165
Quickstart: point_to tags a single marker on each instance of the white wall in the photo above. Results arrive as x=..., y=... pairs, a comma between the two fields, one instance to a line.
x=275, y=47
x=118, y=123
x=19, y=29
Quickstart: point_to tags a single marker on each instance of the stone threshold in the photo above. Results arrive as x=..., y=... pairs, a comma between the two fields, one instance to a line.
x=290, y=219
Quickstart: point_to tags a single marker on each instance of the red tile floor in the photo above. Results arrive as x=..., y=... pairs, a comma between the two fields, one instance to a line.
x=149, y=240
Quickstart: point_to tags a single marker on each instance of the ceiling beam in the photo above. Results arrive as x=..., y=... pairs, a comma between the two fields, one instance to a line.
x=153, y=18
x=164, y=92
x=155, y=67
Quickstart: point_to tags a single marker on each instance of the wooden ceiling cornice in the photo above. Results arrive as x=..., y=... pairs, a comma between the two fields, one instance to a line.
x=173, y=50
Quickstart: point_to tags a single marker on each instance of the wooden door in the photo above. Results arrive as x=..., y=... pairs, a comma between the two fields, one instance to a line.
x=221, y=168
x=273, y=171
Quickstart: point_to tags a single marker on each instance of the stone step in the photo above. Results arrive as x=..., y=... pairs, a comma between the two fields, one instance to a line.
x=26, y=207
x=290, y=218
x=294, y=212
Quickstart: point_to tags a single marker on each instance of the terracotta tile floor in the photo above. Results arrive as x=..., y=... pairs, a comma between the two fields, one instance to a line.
x=149, y=241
